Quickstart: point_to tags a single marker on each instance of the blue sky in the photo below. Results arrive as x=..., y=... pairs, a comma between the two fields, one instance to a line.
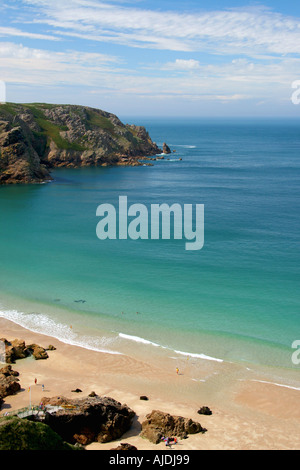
x=151, y=57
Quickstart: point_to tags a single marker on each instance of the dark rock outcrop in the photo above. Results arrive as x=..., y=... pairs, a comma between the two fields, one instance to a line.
x=14, y=350
x=34, y=138
x=9, y=383
x=19, y=157
x=204, y=410
x=87, y=420
x=7, y=371
x=37, y=352
x=158, y=425
x=166, y=149
x=125, y=446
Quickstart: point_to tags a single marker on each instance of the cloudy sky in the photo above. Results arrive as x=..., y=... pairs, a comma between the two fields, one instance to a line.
x=153, y=57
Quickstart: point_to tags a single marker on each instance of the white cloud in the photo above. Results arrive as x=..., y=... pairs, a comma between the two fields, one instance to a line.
x=249, y=54
x=6, y=31
x=182, y=64
x=230, y=81
x=229, y=31
x=20, y=64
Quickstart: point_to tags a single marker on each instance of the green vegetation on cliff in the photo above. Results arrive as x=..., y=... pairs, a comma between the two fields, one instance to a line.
x=52, y=131
x=21, y=434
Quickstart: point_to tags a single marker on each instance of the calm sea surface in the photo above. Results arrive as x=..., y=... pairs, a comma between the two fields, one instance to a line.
x=236, y=299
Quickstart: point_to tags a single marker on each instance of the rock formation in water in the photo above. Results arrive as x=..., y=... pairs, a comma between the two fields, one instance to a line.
x=166, y=149
x=35, y=138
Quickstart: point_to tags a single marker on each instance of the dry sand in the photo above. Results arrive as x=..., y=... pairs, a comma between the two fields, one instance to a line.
x=248, y=412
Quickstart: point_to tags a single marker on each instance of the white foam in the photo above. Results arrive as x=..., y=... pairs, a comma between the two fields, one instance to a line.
x=199, y=356
x=278, y=385
x=151, y=343
x=41, y=324
x=186, y=146
x=137, y=339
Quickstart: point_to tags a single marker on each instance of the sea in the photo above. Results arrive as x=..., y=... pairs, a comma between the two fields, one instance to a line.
x=237, y=299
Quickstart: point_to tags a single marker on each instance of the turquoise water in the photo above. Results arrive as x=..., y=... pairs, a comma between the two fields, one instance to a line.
x=236, y=299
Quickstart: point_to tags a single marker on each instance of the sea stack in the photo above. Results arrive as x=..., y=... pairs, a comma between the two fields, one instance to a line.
x=166, y=149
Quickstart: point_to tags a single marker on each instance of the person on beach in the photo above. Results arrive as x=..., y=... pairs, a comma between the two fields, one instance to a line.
x=166, y=440
x=177, y=371
x=35, y=381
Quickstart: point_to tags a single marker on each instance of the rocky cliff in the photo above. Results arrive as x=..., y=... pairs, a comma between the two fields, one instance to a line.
x=35, y=138
x=9, y=382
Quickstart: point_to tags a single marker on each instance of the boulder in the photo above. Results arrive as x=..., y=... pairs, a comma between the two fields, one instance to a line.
x=159, y=424
x=91, y=419
x=125, y=446
x=9, y=384
x=37, y=351
x=55, y=401
x=14, y=350
x=7, y=371
x=204, y=410
x=17, y=349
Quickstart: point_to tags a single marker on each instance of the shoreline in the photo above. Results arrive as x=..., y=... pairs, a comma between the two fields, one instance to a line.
x=249, y=411
x=112, y=335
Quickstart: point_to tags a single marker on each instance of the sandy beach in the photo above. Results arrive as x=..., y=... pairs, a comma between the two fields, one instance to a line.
x=249, y=411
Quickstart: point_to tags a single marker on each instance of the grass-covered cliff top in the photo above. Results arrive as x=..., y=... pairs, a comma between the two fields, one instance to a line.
x=18, y=434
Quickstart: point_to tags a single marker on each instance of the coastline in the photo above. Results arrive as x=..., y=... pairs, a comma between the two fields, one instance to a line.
x=249, y=410
x=123, y=333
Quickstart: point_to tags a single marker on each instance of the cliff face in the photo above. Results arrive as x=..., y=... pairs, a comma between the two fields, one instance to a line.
x=34, y=138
